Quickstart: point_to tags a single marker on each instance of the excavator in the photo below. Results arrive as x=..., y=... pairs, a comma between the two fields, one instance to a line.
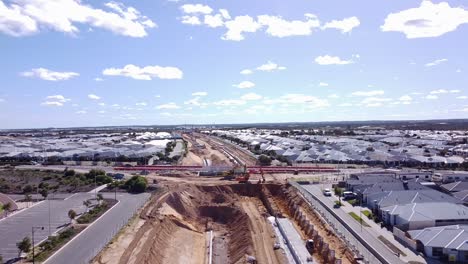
x=244, y=176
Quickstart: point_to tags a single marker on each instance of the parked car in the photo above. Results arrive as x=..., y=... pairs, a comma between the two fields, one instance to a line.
x=327, y=192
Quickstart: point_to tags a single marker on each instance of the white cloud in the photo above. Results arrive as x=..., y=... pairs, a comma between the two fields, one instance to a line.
x=276, y=26
x=199, y=94
x=214, y=21
x=2, y=100
x=334, y=96
x=270, y=66
x=93, y=97
x=345, y=105
x=307, y=100
x=405, y=98
x=233, y=102
x=239, y=25
x=246, y=72
x=196, y=9
x=51, y=103
x=168, y=106
x=49, y=75
x=374, y=101
x=225, y=14
x=443, y=91
x=141, y=104
x=458, y=71
x=245, y=85
x=323, y=84
x=251, y=97
x=145, y=73
x=81, y=112
x=368, y=93
x=432, y=97
x=436, y=62
x=427, y=20
x=58, y=98
x=191, y=20
x=346, y=25
x=26, y=17
x=462, y=97
x=98, y=79
x=331, y=60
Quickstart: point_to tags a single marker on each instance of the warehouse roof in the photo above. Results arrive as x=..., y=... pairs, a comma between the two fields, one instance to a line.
x=453, y=237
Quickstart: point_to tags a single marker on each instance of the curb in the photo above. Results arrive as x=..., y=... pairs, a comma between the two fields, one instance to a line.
x=66, y=244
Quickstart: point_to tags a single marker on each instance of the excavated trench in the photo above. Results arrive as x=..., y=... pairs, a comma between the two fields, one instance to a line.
x=176, y=226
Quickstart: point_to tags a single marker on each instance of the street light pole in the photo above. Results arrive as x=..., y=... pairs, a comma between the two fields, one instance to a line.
x=32, y=233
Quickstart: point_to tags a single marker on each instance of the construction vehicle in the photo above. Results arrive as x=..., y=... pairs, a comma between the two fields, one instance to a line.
x=243, y=178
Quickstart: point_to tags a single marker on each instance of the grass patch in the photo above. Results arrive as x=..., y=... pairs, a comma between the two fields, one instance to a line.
x=368, y=214
x=352, y=202
x=359, y=219
x=54, y=243
x=96, y=212
x=391, y=246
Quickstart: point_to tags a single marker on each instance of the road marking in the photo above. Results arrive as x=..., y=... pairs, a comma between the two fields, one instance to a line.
x=66, y=244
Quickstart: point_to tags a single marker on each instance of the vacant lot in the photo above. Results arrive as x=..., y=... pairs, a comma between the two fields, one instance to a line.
x=13, y=181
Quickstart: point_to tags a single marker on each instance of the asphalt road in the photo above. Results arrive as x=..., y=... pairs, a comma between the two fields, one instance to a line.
x=89, y=242
x=385, y=252
x=15, y=227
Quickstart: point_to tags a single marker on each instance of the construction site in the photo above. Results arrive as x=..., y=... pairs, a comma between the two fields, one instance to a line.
x=247, y=215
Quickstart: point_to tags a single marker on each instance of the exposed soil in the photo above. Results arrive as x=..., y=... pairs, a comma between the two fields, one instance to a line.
x=173, y=226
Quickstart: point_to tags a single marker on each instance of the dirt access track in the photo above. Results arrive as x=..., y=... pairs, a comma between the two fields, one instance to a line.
x=174, y=226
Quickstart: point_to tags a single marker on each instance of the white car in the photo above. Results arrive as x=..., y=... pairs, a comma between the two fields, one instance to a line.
x=327, y=192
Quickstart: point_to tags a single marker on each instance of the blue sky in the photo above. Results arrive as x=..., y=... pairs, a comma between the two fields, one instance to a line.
x=71, y=63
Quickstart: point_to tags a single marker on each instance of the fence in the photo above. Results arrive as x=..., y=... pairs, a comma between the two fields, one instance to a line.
x=357, y=244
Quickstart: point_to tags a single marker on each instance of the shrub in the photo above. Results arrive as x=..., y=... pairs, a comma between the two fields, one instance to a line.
x=136, y=184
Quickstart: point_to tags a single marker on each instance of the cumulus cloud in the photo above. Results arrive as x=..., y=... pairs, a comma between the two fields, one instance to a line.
x=199, y=94
x=145, y=73
x=436, y=62
x=246, y=72
x=368, y=93
x=245, y=85
x=427, y=20
x=55, y=100
x=275, y=26
x=346, y=25
x=374, y=101
x=196, y=9
x=168, y=106
x=49, y=75
x=141, y=104
x=405, y=98
x=191, y=20
x=462, y=97
x=432, y=97
x=239, y=25
x=58, y=98
x=26, y=17
x=323, y=84
x=270, y=66
x=93, y=97
x=331, y=60
x=251, y=97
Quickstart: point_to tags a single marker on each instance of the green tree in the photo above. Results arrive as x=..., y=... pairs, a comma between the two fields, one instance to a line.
x=136, y=184
x=71, y=215
x=44, y=193
x=24, y=245
x=87, y=203
x=7, y=207
x=100, y=198
x=264, y=160
x=69, y=173
x=28, y=189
